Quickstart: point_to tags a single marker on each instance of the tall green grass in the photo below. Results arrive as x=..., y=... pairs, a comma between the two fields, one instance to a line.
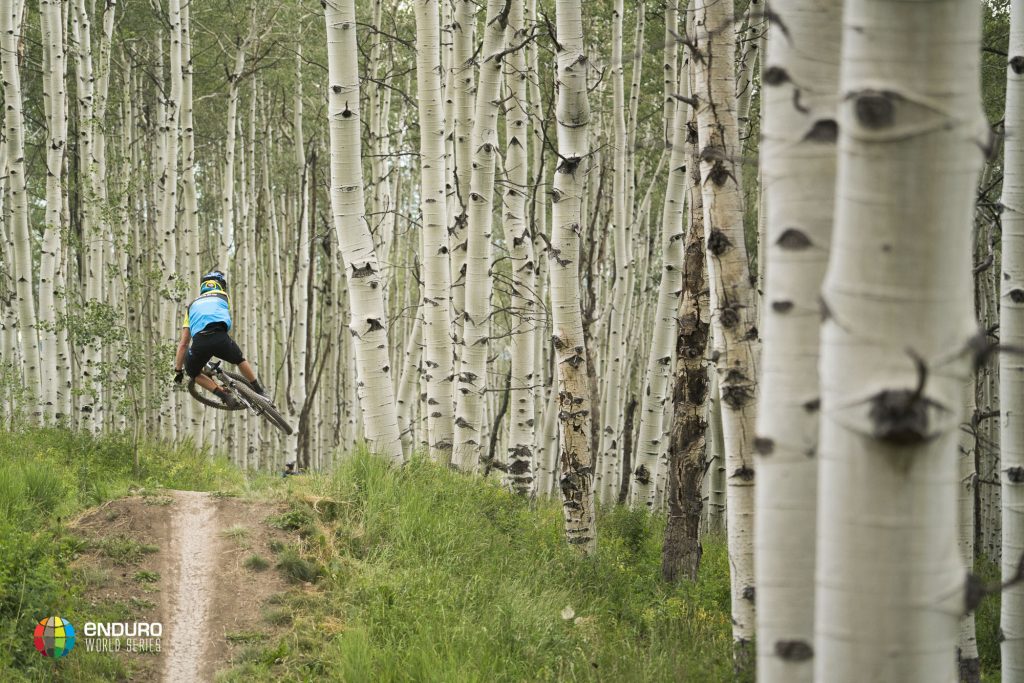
x=428, y=575
x=47, y=476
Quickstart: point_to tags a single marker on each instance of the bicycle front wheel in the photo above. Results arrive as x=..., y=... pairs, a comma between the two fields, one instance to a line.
x=265, y=407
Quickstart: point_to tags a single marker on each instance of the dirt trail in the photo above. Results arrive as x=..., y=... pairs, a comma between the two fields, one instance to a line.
x=194, y=523
x=191, y=575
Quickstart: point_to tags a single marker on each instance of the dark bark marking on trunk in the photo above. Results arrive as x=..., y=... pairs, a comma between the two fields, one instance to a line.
x=793, y=239
x=824, y=131
x=875, y=109
x=794, y=650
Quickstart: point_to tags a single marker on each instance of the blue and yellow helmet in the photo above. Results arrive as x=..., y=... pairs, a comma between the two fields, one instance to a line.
x=213, y=281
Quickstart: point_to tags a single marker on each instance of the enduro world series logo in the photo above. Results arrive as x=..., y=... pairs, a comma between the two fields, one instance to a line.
x=56, y=637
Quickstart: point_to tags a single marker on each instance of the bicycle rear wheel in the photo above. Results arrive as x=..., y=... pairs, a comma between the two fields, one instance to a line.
x=200, y=395
x=266, y=408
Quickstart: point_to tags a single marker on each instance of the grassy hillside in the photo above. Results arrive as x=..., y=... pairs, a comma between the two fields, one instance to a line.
x=426, y=575
x=417, y=574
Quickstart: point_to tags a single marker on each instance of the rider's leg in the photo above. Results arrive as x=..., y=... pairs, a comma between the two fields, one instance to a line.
x=246, y=369
x=228, y=350
x=206, y=383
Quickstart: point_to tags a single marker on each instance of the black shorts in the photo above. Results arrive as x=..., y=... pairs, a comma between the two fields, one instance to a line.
x=206, y=346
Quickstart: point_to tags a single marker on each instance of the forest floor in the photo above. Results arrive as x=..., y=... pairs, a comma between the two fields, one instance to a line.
x=368, y=572
x=194, y=562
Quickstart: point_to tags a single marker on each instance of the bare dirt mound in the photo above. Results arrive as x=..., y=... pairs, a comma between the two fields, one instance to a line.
x=199, y=564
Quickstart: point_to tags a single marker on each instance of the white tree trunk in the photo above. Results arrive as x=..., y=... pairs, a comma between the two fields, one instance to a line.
x=733, y=302
x=670, y=68
x=407, y=385
x=470, y=429
x=463, y=84
x=227, y=184
x=168, y=215
x=967, y=646
x=660, y=364
x=520, y=474
x=10, y=35
x=436, y=292
x=298, y=359
x=898, y=319
x=572, y=114
x=368, y=324
x=54, y=381
x=190, y=246
x=611, y=372
x=1011, y=365
x=799, y=159
x=91, y=274
x=539, y=233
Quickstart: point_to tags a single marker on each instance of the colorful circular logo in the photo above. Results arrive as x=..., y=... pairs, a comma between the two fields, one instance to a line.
x=54, y=637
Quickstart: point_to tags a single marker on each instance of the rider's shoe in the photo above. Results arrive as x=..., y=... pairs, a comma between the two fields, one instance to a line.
x=259, y=389
x=227, y=399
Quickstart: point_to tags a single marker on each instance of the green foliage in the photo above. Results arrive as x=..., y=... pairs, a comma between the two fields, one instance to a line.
x=129, y=361
x=256, y=563
x=147, y=577
x=429, y=575
x=15, y=396
x=46, y=477
x=986, y=618
x=995, y=40
x=125, y=550
x=297, y=568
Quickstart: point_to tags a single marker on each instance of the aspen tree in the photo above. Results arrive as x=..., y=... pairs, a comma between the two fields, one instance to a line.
x=435, y=305
x=798, y=152
x=610, y=437
x=406, y=393
x=733, y=303
x=375, y=136
x=470, y=428
x=634, y=108
x=368, y=323
x=663, y=343
x=572, y=118
x=14, y=122
x=90, y=100
x=300, y=333
x=9, y=322
x=715, y=461
x=54, y=381
x=227, y=184
x=688, y=439
x=168, y=180
x=463, y=85
x=670, y=68
x=750, y=36
x=898, y=320
x=967, y=646
x=524, y=282
x=539, y=231
x=189, y=189
x=1011, y=365
x=110, y=290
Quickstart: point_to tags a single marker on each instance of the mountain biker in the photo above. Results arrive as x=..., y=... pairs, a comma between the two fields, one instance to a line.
x=206, y=325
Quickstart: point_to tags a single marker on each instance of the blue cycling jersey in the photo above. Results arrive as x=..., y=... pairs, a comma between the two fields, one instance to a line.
x=211, y=307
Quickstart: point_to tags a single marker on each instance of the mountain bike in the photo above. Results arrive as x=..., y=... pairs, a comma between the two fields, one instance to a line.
x=245, y=396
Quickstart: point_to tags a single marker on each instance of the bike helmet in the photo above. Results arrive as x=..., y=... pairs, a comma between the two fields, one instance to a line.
x=213, y=280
